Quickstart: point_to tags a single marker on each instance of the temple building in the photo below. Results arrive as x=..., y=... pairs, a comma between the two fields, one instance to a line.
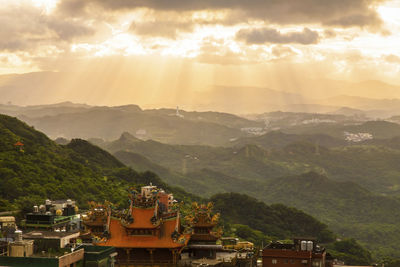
x=203, y=241
x=149, y=232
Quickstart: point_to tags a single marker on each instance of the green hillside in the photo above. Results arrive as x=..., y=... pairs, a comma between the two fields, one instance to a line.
x=272, y=175
x=348, y=209
x=374, y=167
x=274, y=221
x=278, y=139
x=42, y=169
x=248, y=163
x=373, y=163
x=84, y=172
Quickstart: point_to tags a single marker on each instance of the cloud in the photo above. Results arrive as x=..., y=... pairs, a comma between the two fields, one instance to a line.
x=370, y=18
x=68, y=30
x=343, y=13
x=392, y=59
x=282, y=52
x=329, y=33
x=32, y=28
x=167, y=29
x=269, y=35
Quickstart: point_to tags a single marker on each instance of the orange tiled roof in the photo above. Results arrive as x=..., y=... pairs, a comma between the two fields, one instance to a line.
x=142, y=219
x=119, y=237
x=18, y=144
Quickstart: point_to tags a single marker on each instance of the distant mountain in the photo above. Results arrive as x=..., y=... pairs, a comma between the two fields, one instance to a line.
x=249, y=162
x=349, y=112
x=371, y=107
x=395, y=119
x=267, y=168
x=109, y=123
x=272, y=155
x=43, y=110
x=246, y=99
x=322, y=88
x=277, y=140
x=373, y=89
x=42, y=169
x=69, y=121
x=379, y=129
x=221, y=118
x=279, y=120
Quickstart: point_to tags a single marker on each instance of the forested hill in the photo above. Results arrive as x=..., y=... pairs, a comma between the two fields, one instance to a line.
x=272, y=220
x=42, y=169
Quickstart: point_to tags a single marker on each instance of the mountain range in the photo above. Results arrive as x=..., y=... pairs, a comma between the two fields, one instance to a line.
x=317, y=173
x=343, y=163
x=42, y=169
x=301, y=95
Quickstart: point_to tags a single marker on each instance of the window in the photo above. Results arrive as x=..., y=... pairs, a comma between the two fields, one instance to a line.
x=292, y=261
x=274, y=261
x=286, y=261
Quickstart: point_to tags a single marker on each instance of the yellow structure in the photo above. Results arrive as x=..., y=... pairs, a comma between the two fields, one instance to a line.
x=20, y=248
x=234, y=243
x=7, y=221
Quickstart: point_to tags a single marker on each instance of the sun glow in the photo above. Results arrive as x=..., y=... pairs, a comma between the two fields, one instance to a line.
x=47, y=5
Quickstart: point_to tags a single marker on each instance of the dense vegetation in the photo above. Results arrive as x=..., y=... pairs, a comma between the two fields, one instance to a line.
x=274, y=222
x=253, y=220
x=351, y=252
x=296, y=170
x=42, y=169
x=79, y=170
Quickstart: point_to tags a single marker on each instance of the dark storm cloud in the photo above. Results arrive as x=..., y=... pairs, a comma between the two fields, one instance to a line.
x=31, y=28
x=268, y=35
x=343, y=13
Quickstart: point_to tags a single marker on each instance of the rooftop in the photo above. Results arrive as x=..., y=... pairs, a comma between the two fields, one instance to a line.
x=7, y=219
x=48, y=234
x=119, y=237
x=142, y=219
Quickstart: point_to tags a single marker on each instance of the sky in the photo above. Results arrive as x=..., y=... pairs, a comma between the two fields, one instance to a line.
x=158, y=52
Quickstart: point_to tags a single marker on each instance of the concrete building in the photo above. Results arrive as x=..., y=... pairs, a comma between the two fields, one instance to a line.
x=48, y=239
x=58, y=215
x=303, y=252
x=97, y=256
x=20, y=247
x=71, y=259
x=7, y=222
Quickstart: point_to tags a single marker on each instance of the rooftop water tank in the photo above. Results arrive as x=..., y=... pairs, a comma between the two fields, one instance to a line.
x=18, y=235
x=310, y=246
x=303, y=245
